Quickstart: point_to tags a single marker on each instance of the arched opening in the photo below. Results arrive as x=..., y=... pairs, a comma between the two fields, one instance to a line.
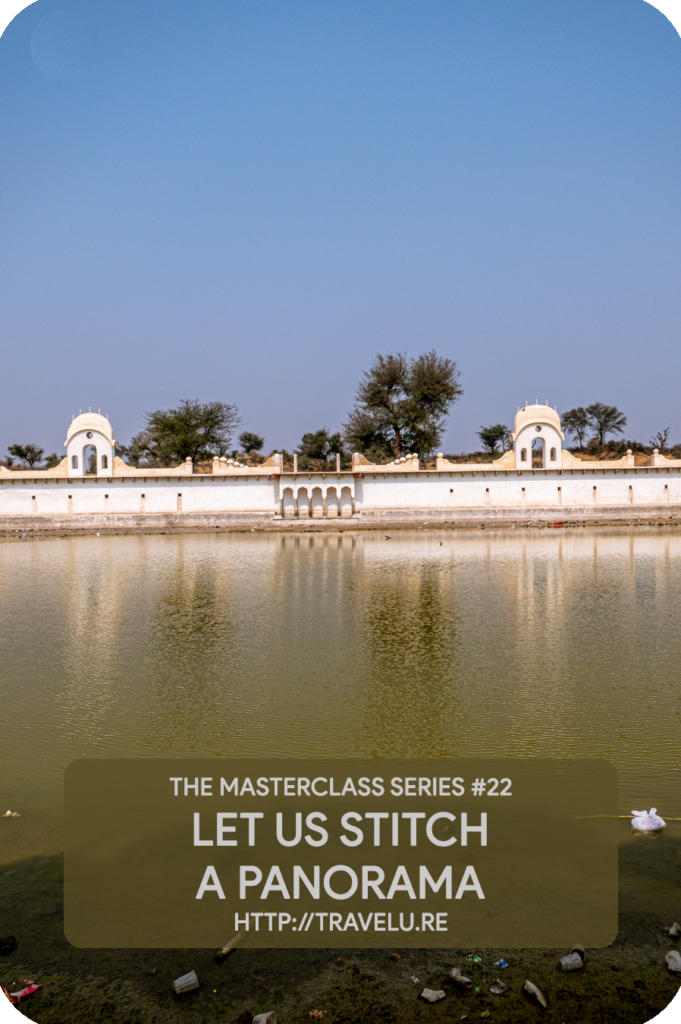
x=105, y=461
x=346, y=502
x=553, y=455
x=74, y=462
x=90, y=459
x=331, y=503
x=303, y=504
x=538, y=453
x=317, y=503
x=523, y=454
x=288, y=506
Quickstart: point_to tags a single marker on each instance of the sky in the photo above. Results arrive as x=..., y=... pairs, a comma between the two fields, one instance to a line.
x=247, y=200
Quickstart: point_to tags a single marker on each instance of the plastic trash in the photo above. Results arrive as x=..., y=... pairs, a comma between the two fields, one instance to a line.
x=269, y=1017
x=571, y=962
x=675, y=930
x=187, y=983
x=533, y=991
x=432, y=995
x=473, y=960
x=499, y=987
x=673, y=961
x=647, y=821
x=500, y=963
x=456, y=975
x=29, y=988
x=226, y=950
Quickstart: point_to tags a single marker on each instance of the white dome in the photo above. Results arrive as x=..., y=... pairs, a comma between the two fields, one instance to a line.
x=537, y=414
x=90, y=421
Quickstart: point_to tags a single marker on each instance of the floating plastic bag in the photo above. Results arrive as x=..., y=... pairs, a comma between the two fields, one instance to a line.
x=647, y=821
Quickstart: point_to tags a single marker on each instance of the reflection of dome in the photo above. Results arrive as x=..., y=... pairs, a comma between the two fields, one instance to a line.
x=537, y=414
x=90, y=421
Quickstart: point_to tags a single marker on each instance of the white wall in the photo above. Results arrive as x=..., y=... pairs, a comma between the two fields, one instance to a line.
x=379, y=492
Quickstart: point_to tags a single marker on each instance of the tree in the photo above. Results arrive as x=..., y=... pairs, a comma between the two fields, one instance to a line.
x=251, y=442
x=576, y=422
x=193, y=430
x=490, y=436
x=660, y=440
x=319, y=445
x=605, y=419
x=52, y=460
x=28, y=453
x=402, y=404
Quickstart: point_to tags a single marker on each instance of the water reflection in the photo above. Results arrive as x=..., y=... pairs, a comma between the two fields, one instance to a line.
x=426, y=644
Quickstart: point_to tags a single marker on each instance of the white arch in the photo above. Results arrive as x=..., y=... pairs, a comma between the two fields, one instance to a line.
x=534, y=422
x=88, y=429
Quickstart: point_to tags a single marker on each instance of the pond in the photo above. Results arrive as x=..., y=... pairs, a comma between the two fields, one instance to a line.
x=419, y=643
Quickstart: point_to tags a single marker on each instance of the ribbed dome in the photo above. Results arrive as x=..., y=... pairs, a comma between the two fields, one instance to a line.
x=537, y=414
x=90, y=421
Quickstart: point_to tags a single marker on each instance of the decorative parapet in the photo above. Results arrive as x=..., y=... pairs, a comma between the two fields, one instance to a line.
x=570, y=461
x=661, y=460
x=121, y=468
x=505, y=461
x=272, y=466
x=407, y=464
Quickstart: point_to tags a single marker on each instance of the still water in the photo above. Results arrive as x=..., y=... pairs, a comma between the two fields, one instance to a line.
x=431, y=643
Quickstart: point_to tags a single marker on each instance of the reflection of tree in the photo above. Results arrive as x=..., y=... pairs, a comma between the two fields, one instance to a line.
x=406, y=623
x=191, y=638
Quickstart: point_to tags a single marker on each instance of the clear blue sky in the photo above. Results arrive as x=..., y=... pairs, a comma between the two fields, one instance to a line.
x=246, y=200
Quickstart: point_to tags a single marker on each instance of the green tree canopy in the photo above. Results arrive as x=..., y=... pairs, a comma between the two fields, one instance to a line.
x=491, y=436
x=194, y=429
x=605, y=419
x=251, y=442
x=576, y=422
x=29, y=454
x=402, y=405
x=318, y=445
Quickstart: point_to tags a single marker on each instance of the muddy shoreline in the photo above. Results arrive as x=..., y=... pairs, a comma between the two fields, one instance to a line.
x=625, y=983
x=30, y=529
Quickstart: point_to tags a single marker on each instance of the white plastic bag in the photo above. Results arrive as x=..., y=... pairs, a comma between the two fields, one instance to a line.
x=647, y=821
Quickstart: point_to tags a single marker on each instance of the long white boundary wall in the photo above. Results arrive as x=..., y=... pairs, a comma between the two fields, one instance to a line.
x=366, y=493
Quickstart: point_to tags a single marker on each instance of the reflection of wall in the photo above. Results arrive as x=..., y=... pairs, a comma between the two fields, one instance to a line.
x=558, y=645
